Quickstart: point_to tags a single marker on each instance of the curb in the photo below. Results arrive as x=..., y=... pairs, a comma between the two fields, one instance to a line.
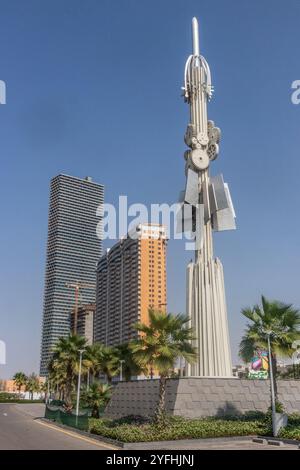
x=124, y=445
x=283, y=440
x=128, y=445
x=90, y=435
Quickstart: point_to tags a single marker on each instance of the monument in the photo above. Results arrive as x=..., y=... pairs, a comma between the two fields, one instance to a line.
x=210, y=389
x=209, y=199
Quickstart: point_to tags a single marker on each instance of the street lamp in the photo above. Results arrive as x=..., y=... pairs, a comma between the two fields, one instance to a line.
x=48, y=391
x=88, y=379
x=121, y=369
x=273, y=403
x=81, y=351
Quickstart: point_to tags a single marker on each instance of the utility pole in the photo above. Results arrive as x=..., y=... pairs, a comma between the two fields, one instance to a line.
x=121, y=369
x=48, y=391
x=81, y=351
x=78, y=285
x=273, y=402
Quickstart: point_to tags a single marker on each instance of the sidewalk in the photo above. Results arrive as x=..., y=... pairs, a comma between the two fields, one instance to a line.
x=220, y=443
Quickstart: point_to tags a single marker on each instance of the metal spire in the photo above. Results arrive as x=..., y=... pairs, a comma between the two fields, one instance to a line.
x=195, y=33
x=213, y=210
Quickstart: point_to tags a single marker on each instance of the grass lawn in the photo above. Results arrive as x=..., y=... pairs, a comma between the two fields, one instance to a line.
x=133, y=429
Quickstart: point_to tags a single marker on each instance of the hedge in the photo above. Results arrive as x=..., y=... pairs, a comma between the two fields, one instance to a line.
x=126, y=430
x=21, y=401
x=292, y=431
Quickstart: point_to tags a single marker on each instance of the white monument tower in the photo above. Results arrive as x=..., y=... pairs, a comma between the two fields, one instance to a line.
x=211, y=209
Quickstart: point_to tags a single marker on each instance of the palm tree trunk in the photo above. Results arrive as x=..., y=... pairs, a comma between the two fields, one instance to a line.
x=68, y=387
x=95, y=412
x=109, y=379
x=160, y=410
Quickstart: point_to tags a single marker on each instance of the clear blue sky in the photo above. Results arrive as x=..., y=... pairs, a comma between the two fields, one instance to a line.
x=93, y=88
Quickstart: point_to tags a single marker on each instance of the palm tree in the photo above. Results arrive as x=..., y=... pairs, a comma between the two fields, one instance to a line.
x=279, y=321
x=57, y=377
x=109, y=363
x=96, y=395
x=66, y=358
x=166, y=338
x=130, y=366
x=44, y=390
x=93, y=358
x=32, y=384
x=20, y=380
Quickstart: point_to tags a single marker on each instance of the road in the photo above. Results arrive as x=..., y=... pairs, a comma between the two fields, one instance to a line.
x=20, y=430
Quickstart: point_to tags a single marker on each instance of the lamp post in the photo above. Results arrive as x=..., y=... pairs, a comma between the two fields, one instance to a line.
x=48, y=391
x=273, y=403
x=121, y=369
x=81, y=351
x=296, y=358
x=88, y=380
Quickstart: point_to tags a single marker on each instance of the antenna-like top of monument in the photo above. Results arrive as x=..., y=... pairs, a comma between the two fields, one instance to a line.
x=196, y=60
x=195, y=34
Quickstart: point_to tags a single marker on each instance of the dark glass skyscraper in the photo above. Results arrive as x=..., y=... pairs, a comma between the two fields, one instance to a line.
x=73, y=250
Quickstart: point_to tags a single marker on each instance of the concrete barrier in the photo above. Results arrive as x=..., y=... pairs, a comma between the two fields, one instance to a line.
x=200, y=396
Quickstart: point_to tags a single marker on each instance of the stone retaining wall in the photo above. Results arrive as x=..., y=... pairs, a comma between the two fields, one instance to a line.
x=198, y=396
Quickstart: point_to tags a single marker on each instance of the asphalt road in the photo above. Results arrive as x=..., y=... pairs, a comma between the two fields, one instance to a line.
x=21, y=430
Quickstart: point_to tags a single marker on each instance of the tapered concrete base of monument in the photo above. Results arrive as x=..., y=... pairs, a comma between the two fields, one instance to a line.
x=206, y=307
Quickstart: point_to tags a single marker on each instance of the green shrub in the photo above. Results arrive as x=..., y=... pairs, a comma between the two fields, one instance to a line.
x=21, y=401
x=8, y=396
x=57, y=402
x=132, y=429
x=292, y=431
x=279, y=408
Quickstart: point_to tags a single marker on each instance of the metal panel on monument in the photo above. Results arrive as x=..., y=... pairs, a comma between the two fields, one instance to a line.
x=191, y=189
x=220, y=193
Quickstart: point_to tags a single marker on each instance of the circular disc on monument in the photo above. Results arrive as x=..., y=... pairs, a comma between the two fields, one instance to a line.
x=213, y=151
x=214, y=135
x=202, y=138
x=199, y=159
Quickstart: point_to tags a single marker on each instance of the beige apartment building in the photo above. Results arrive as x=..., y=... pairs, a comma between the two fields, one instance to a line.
x=131, y=278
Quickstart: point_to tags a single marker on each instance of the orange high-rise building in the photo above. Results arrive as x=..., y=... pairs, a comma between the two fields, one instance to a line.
x=131, y=278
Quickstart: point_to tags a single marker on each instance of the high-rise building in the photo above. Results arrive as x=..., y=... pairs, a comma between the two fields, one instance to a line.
x=73, y=250
x=85, y=321
x=131, y=278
